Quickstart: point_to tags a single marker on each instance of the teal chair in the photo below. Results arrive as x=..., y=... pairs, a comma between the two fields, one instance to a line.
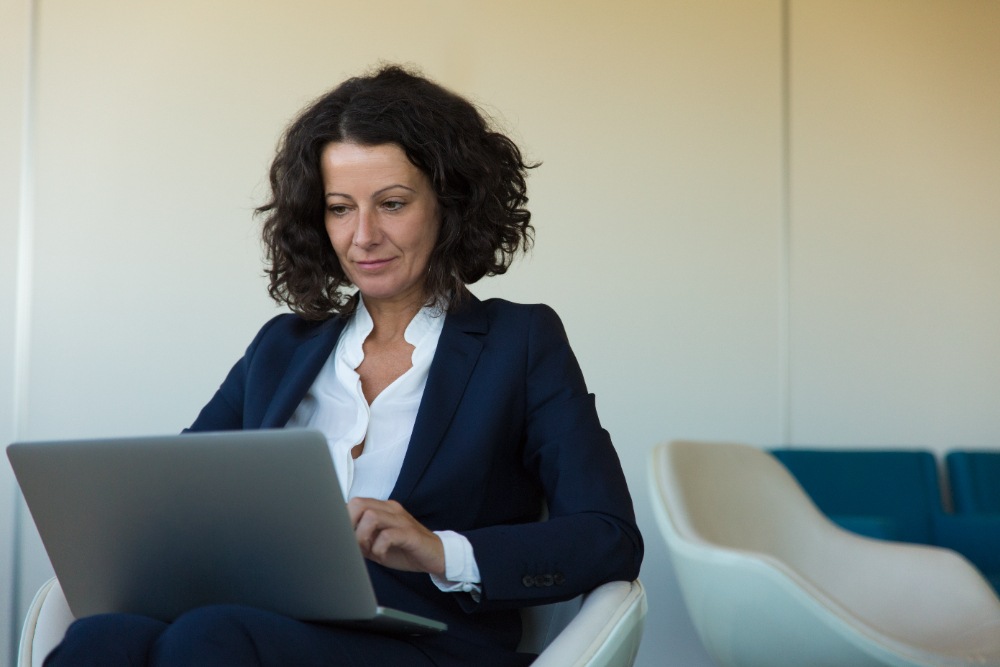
x=887, y=494
x=896, y=495
x=975, y=480
x=974, y=528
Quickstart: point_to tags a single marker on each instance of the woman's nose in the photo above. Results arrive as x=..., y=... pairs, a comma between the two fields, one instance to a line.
x=366, y=233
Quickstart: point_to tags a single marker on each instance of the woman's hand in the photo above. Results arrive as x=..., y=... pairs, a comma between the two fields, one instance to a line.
x=390, y=536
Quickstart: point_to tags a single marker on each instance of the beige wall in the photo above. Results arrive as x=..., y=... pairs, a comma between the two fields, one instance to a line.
x=734, y=257
x=896, y=222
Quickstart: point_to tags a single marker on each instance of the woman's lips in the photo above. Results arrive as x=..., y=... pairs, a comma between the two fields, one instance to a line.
x=373, y=264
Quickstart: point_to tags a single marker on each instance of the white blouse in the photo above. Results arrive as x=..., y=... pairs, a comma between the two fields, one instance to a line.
x=336, y=405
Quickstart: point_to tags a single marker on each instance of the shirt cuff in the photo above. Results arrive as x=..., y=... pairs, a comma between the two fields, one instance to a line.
x=461, y=572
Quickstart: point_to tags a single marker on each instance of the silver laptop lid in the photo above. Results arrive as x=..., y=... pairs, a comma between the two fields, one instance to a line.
x=159, y=525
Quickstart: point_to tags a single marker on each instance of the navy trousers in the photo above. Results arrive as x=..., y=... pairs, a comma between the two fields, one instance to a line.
x=227, y=636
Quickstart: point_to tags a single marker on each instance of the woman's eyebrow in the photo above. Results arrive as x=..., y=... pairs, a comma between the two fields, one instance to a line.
x=374, y=194
x=390, y=187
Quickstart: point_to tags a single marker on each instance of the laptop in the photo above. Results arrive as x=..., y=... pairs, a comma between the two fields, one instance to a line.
x=163, y=524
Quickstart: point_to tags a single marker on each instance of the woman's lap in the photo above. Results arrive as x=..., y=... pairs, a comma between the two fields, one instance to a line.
x=224, y=635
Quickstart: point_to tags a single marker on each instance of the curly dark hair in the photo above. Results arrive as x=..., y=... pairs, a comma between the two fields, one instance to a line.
x=478, y=175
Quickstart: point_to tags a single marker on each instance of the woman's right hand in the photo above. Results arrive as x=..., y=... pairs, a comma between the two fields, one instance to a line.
x=390, y=536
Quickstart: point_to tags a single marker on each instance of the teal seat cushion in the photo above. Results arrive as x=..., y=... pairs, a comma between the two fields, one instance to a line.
x=891, y=494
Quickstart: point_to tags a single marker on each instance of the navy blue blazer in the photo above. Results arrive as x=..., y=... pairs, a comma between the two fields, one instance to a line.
x=505, y=422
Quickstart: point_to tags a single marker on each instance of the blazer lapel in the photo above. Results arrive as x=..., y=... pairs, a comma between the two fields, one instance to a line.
x=302, y=369
x=456, y=355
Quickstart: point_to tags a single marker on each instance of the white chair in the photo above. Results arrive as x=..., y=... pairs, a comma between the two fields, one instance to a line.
x=46, y=623
x=600, y=629
x=769, y=581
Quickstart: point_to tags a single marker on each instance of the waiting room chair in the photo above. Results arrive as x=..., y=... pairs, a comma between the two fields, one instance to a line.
x=974, y=527
x=769, y=581
x=600, y=629
x=46, y=623
x=891, y=494
x=974, y=476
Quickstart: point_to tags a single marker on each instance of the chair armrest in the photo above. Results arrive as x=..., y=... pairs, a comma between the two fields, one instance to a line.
x=605, y=632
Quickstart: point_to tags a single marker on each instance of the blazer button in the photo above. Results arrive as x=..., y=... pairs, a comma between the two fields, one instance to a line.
x=558, y=579
x=547, y=580
x=528, y=581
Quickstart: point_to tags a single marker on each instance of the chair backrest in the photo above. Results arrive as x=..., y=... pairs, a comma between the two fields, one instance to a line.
x=769, y=580
x=720, y=492
x=890, y=494
x=974, y=477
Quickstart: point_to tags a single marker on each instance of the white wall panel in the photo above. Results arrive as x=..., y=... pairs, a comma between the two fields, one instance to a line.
x=896, y=223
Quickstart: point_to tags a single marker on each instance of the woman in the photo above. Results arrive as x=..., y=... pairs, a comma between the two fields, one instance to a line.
x=451, y=421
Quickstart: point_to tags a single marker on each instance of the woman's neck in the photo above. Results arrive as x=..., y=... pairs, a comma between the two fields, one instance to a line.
x=390, y=318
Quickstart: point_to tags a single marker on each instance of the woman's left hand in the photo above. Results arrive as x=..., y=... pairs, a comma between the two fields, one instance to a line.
x=390, y=536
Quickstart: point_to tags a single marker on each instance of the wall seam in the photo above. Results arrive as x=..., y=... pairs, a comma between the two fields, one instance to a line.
x=785, y=279
x=22, y=308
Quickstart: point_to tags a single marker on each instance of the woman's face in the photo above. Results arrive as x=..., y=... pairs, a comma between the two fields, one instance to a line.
x=382, y=219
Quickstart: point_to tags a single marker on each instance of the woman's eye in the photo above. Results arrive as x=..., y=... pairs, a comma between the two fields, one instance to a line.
x=392, y=205
x=337, y=209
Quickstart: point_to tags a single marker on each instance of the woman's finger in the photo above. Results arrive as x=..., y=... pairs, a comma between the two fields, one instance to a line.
x=390, y=536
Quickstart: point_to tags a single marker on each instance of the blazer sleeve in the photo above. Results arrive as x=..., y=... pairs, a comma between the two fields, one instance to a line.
x=590, y=536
